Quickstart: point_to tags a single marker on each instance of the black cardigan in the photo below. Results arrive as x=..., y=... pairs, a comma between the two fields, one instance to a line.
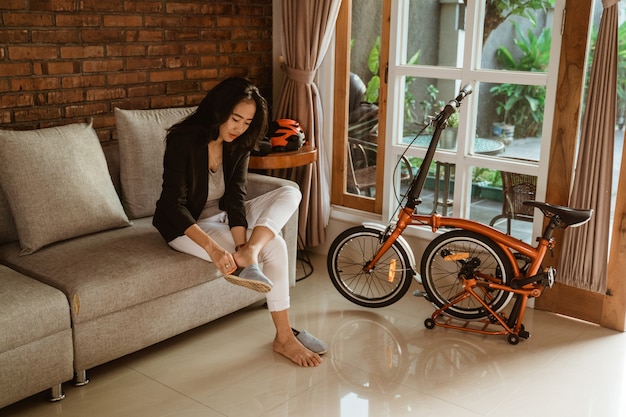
x=186, y=185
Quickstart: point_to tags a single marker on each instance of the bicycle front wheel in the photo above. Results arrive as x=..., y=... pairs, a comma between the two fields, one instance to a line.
x=461, y=254
x=385, y=284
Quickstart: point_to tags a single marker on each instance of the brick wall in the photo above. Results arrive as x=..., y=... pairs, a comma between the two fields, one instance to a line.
x=63, y=61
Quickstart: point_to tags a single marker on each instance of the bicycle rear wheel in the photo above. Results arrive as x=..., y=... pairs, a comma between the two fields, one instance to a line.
x=384, y=285
x=461, y=253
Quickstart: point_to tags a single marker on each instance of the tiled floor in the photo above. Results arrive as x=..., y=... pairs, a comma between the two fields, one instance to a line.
x=381, y=363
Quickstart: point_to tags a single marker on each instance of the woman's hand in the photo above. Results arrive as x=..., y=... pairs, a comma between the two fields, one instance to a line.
x=223, y=260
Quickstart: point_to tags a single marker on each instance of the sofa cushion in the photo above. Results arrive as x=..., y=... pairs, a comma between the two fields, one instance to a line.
x=112, y=270
x=141, y=136
x=29, y=310
x=57, y=184
x=8, y=232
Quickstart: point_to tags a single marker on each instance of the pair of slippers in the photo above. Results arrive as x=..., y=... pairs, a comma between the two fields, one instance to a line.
x=250, y=277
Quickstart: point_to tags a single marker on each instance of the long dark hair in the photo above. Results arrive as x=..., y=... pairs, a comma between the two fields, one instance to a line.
x=218, y=105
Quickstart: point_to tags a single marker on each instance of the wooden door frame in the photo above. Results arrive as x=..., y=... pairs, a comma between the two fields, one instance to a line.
x=608, y=310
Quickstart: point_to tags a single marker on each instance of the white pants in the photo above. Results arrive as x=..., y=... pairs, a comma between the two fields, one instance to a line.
x=271, y=210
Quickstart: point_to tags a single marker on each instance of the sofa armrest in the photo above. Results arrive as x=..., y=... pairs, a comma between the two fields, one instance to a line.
x=260, y=184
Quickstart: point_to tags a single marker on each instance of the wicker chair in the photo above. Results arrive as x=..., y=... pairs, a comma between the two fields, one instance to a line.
x=516, y=188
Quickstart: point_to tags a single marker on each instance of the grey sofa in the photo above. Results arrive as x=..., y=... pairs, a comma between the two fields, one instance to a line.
x=124, y=288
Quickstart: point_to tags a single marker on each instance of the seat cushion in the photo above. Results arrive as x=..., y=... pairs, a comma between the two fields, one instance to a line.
x=57, y=184
x=29, y=310
x=112, y=270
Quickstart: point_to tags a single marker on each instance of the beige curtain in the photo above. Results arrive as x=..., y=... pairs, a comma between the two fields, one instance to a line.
x=308, y=29
x=584, y=257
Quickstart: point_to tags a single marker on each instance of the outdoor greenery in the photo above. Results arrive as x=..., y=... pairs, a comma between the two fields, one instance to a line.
x=373, y=85
x=498, y=11
x=523, y=105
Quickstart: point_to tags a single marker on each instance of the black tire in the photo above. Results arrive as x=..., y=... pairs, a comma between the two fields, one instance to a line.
x=481, y=258
x=350, y=251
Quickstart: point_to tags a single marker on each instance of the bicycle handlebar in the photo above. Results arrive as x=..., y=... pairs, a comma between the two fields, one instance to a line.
x=418, y=182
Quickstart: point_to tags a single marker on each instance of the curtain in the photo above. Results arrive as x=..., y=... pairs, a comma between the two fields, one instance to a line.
x=308, y=27
x=584, y=257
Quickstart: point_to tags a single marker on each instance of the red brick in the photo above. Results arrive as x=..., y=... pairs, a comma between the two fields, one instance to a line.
x=183, y=8
x=13, y=5
x=81, y=81
x=11, y=70
x=122, y=21
x=181, y=87
x=65, y=97
x=200, y=48
x=5, y=117
x=217, y=9
x=37, y=113
x=27, y=19
x=8, y=101
x=103, y=65
x=102, y=35
x=144, y=35
x=216, y=35
x=162, y=21
x=73, y=20
x=17, y=53
x=53, y=5
x=145, y=63
x=159, y=76
x=167, y=101
x=233, y=47
x=13, y=36
x=182, y=35
x=213, y=60
x=126, y=78
x=126, y=50
x=199, y=22
x=102, y=5
x=150, y=90
x=202, y=73
x=143, y=6
x=34, y=84
x=77, y=52
x=55, y=36
x=102, y=94
x=53, y=68
x=86, y=109
x=169, y=49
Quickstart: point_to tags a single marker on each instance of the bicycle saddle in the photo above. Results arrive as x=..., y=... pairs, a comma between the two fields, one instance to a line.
x=567, y=216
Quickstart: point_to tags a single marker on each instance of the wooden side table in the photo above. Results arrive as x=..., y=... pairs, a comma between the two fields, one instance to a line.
x=277, y=160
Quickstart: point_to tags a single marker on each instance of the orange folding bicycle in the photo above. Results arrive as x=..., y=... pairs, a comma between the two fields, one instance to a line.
x=469, y=273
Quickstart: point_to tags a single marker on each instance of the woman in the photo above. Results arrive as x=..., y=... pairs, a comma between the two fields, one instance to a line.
x=202, y=209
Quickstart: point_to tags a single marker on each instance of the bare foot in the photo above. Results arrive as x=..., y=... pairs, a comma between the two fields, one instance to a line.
x=292, y=349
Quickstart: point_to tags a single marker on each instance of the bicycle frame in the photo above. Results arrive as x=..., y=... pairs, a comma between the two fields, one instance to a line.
x=531, y=281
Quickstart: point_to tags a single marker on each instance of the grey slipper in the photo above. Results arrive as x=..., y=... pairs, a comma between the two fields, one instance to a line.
x=250, y=277
x=310, y=342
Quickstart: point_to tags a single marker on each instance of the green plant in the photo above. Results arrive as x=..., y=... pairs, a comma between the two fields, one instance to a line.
x=523, y=105
x=432, y=104
x=497, y=11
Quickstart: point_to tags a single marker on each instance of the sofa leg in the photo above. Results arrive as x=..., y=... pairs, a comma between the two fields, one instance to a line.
x=81, y=378
x=56, y=393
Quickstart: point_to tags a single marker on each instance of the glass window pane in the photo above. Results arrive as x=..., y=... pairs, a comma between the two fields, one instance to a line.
x=517, y=39
x=497, y=200
x=436, y=33
x=511, y=114
x=363, y=101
